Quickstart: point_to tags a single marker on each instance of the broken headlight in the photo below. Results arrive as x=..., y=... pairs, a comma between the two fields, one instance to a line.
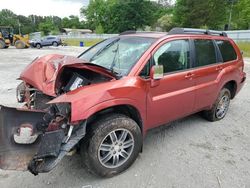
x=20, y=92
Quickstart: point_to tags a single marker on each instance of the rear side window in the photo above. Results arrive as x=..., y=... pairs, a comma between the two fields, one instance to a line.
x=205, y=52
x=227, y=51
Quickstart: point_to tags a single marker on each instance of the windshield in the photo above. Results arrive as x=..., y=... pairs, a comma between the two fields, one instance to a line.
x=118, y=54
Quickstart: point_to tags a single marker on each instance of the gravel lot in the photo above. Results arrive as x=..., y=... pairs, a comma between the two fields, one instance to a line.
x=189, y=153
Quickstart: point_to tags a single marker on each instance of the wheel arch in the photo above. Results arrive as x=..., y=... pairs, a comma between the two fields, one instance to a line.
x=125, y=109
x=232, y=86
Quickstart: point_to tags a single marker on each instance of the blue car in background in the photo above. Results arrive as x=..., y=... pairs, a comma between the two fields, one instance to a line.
x=46, y=41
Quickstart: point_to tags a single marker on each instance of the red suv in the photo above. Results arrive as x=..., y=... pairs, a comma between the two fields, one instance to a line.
x=103, y=102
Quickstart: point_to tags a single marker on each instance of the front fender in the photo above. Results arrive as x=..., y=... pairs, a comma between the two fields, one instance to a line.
x=85, y=114
x=86, y=101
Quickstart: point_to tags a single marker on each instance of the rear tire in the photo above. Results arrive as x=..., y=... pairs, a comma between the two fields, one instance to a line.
x=20, y=44
x=55, y=44
x=2, y=44
x=38, y=46
x=112, y=145
x=220, y=107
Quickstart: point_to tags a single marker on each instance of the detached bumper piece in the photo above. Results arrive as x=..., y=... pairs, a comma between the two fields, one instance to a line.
x=18, y=144
x=48, y=157
x=24, y=147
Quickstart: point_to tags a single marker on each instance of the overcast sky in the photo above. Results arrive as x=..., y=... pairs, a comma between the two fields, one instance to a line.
x=61, y=8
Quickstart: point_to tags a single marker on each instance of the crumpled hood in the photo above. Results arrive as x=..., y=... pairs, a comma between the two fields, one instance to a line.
x=42, y=73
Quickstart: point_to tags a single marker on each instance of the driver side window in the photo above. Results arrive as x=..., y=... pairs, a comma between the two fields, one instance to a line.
x=174, y=56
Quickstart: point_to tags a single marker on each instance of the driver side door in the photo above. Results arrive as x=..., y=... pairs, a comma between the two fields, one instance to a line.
x=173, y=97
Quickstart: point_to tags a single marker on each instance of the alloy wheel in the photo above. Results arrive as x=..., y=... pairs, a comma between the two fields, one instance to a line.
x=222, y=106
x=116, y=148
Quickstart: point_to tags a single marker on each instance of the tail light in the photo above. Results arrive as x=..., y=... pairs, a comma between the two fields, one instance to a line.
x=243, y=65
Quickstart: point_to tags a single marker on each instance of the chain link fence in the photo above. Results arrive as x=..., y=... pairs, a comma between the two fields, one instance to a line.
x=238, y=36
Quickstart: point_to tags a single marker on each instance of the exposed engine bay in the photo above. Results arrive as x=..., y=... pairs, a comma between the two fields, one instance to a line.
x=70, y=79
x=73, y=78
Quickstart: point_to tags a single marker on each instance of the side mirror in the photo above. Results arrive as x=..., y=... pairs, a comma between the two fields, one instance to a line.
x=156, y=72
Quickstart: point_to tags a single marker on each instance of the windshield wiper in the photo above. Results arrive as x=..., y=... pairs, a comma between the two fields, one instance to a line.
x=103, y=49
x=114, y=59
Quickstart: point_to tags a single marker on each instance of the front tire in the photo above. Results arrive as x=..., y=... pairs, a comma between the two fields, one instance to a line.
x=220, y=107
x=19, y=44
x=113, y=145
x=2, y=44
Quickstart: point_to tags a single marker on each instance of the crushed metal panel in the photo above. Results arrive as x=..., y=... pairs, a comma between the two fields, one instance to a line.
x=46, y=164
x=13, y=155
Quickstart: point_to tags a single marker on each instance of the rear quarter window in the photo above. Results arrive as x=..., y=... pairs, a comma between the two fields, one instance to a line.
x=227, y=50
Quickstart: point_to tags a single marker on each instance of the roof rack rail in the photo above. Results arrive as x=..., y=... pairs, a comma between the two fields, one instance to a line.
x=139, y=32
x=178, y=30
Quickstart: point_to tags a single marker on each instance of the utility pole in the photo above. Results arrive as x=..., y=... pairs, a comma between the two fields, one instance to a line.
x=230, y=15
x=19, y=27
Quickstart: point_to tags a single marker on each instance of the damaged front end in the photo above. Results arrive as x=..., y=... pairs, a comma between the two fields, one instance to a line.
x=53, y=75
x=37, y=136
x=36, y=140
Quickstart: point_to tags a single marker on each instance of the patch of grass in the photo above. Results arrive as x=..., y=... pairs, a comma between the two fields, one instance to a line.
x=76, y=42
x=245, y=47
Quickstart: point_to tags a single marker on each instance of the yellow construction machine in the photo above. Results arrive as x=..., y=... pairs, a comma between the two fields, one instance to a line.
x=7, y=38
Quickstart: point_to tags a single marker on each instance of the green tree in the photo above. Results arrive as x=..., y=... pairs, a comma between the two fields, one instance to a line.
x=117, y=15
x=46, y=27
x=131, y=15
x=25, y=24
x=8, y=18
x=35, y=21
x=165, y=22
x=72, y=22
x=241, y=14
x=200, y=13
x=97, y=12
x=65, y=22
x=99, y=29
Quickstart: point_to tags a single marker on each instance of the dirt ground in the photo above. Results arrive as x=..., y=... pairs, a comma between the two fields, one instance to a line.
x=188, y=153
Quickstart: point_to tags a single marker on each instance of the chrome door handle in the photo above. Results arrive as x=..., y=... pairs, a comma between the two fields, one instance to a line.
x=189, y=75
x=219, y=68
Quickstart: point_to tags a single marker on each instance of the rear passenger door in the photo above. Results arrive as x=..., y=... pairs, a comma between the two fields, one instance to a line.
x=51, y=40
x=48, y=41
x=207, y=67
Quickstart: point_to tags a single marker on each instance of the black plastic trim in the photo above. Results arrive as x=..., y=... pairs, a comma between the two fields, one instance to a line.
x=178, y=30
